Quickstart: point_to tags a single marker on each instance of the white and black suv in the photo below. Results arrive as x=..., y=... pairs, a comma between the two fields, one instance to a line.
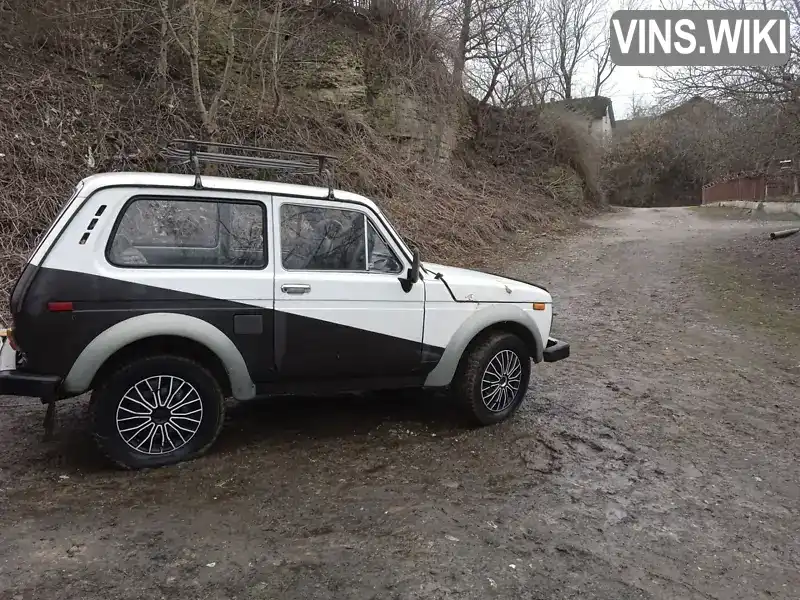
x=166, y=293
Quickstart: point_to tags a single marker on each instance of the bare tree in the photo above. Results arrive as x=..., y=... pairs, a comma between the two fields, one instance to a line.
x=275, y=61
x=483, y=38
x=466, y=17
x=163, y=50
x=603, y=66
x=740, y=84
x=494, y=53
x=529, y=82
x=498, y=47
x=187, y=37
x=576, y=34
x=639, y=107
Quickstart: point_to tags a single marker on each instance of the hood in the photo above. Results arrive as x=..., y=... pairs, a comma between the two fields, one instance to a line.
x=475, y=286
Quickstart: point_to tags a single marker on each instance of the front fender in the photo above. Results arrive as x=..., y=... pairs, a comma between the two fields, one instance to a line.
x=141, y=327
x=479, y=321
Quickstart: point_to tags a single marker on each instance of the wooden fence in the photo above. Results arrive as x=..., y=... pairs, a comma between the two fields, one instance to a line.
x=758, y=188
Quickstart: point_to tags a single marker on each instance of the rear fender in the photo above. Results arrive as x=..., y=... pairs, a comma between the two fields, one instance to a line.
x=141, y=327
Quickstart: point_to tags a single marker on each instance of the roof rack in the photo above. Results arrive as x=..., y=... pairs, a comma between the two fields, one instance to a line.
x=197, y=152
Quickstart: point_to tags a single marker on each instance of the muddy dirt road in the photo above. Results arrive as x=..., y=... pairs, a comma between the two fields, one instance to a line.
x=660, y=461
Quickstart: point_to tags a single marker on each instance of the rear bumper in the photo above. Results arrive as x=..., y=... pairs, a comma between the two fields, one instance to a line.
x=19, y=383
x=14, y=382
x=556, y=350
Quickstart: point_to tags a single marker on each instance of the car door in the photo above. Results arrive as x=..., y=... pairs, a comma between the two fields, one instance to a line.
x=340, y=310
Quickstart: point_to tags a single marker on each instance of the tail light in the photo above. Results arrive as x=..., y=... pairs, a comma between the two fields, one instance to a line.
x=59, y=306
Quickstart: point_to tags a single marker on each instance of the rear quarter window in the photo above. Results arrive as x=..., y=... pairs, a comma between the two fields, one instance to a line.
x=180, y=233
x=177, y=223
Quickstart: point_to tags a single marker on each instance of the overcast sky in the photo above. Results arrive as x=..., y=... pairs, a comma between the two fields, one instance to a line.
x=627, y=81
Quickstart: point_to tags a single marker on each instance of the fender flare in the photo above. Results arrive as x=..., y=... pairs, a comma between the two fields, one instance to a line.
x=116, y=337
x=479, y=321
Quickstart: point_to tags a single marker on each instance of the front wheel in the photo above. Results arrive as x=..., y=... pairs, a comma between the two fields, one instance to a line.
x=493, y=378
x=157, y=411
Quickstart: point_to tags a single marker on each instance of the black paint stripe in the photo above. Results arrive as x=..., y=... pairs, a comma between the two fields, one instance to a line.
x=308, y=348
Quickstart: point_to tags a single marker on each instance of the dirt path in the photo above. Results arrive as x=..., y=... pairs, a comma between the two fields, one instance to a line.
x=660, y=461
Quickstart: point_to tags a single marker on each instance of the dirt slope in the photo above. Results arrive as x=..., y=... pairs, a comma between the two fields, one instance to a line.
x=660, y=461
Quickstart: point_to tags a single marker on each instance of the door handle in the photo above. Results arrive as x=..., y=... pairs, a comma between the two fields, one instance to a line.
x=296, y=288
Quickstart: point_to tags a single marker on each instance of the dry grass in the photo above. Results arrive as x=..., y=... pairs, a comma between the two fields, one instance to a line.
x=742, y=214
x=754, y=281
x=548, y=144
x=80, y=96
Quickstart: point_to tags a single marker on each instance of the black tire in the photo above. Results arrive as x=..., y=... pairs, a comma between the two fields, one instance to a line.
x=470, y=375
x=109, y=400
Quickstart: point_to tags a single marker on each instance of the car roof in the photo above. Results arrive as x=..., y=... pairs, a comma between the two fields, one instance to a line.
x=135, y=178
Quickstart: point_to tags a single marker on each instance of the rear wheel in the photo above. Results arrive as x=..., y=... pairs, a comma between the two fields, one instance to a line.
x=493, y=378
x=157, y=411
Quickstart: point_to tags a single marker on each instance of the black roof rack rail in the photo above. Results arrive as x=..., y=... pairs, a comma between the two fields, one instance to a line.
x=197, y=152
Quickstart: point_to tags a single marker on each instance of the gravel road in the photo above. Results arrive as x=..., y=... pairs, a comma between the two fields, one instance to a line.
x=659, y=461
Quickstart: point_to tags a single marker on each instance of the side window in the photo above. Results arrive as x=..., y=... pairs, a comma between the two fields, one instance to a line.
x=316, y=238
x=381, y=257
x=167, y=232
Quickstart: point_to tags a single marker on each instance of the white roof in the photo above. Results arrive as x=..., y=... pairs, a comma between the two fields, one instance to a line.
x=94, y=182
x=135, y=178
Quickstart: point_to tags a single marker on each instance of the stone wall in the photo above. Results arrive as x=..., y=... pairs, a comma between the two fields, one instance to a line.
x=345, y=78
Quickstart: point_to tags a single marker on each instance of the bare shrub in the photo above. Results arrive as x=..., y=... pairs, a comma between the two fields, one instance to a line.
x=667, y=160
x=91, y=91
x=573, y=145
x=530, y=140
x=658, y=164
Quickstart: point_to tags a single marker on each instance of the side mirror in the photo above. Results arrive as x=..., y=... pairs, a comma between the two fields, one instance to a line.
x=412, y=276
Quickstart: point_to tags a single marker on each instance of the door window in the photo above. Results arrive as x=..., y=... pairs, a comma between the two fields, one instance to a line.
x=316, y=238
x=381, y=257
